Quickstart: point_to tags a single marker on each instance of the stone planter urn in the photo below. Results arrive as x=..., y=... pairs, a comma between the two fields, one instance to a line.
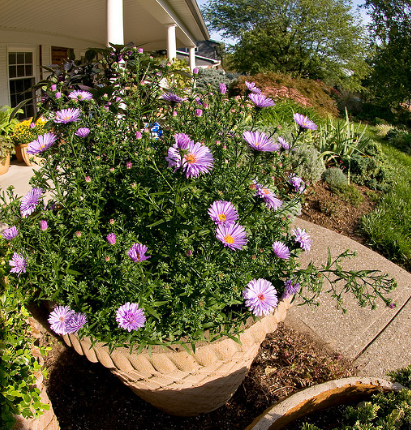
x=22, y=156
x=322, y=396
x=180, y=383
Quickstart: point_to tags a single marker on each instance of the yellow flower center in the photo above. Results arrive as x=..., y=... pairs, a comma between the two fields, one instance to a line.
x=67, y=118
x=229, y=239
x=222, y=217
x=266, y=191
x=261, y=297
x=191, y=158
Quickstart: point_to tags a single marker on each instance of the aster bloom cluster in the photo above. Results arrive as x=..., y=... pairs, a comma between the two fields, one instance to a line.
x=148, y=218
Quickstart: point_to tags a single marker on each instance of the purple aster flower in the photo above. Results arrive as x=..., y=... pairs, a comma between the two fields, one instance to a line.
x=82, y=132
x=10, y=233
x=270, y=199
x=302, y=238
x=111, y=238
x=58, y=94
x=260, y=297
x=137, y=252
x=297, y=183
x=260, y=100
x=80, y=95
x=18, y=263
x=194, y=160
x=53, y=87
x=223, y=213
x=290, y=289
x=173, y=98
x=281, y=250
x=223, y=88
x=75, y=322
x=29, y=201
x=251, y=86
x=198, y=101
x=65, y=116
x=283, y=143
x=232, y=235
x=260, y=142
x=130, y=317
x=195, y=70
x=182, y=141
x=43, y=225
x=140, y=50
x=199, y=112
x=41, y=143
x=304, y=122
x=58, y=319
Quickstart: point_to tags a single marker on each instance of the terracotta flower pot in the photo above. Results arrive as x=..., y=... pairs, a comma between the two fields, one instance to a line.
x=21, y=154
x=180, y=383
x=317, y=397
x=5, y=164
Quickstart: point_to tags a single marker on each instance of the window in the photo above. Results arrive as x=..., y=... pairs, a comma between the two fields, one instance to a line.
x=21, y=79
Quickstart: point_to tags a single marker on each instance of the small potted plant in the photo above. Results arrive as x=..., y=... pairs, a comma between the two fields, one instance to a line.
x=166, y=228
x=6, y=144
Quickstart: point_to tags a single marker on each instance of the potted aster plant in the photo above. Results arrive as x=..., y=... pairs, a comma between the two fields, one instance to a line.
x=159, y=227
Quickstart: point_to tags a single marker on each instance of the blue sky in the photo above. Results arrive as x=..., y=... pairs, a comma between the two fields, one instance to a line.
x=218, y=38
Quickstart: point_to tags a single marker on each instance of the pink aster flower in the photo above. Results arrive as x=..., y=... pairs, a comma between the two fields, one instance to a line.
x=260, y=101
x=58, y=319
x=80, y=95
x=53, y=87
x=138, y=252
x=43, y=225
x=29, y=201
x=199, y=112
x=251, y=86
x=302, y=238
x=130, y=317
x=281, y=250
x=18, y=264
x=65, y=116
x=140, y=50
x=58, y=94
x=270, y=199
x=260, y=297
x=10, y=233
x=138, y=135
x=111, y=238
x=223, y=213
x=304, y=122
x=232, y=235
x=223, y=88
x=195, y=71
x=182, y=141
x=82, y=132
x=41, y=143
x=283, y=143
x=260, y=142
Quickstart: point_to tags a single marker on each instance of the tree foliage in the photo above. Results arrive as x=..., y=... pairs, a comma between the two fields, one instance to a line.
x=390, y=79
x=320, y=39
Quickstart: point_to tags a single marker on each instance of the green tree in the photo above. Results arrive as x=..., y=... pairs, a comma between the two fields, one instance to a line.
x=390, y=79
x=317, y=39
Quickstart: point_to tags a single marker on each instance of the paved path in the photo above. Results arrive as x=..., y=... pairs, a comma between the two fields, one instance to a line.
x=378, y=340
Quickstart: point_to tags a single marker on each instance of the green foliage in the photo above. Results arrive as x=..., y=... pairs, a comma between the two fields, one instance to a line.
x=130, y=177
x=7, y=125
x=335, y=178
x=388, y=226
x=18, y=393
x=307, y=162
x=401, y=139
x=313, y=39
x=402, y=376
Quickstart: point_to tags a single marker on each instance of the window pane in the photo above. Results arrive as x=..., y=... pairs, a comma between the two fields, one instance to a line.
x=12, y=58
x=20, y=57
x=29, y=70
x=20, y=70
x=12, y=71
x=28, y=57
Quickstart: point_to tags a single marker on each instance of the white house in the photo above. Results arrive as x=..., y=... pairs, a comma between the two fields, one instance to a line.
x=35, y=33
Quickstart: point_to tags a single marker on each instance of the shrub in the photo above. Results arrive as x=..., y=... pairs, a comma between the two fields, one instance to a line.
x=401, y=139
x=335, y=178
x=304, y=92
x=213, y=78
x=307, y=162
x=383, y=129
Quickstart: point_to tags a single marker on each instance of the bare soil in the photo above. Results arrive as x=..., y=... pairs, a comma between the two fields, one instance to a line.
x=86, y=396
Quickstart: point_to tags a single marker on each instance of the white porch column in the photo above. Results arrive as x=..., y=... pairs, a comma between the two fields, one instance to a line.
x=192, y=51
x=171, y=42
x=115, y=29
